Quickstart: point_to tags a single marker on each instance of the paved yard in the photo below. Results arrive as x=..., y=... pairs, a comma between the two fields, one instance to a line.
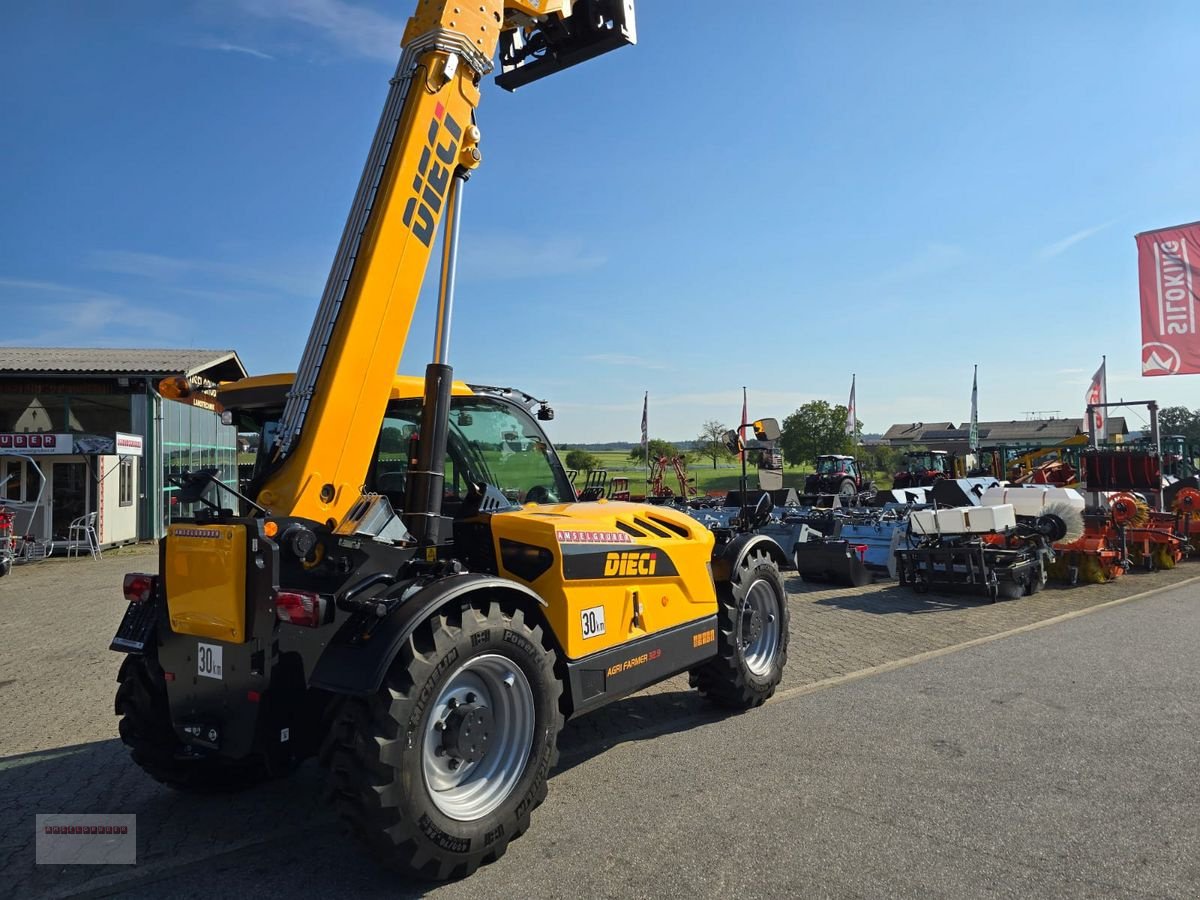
x=59, y=752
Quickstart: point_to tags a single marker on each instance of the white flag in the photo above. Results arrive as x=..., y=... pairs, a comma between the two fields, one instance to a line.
x=646, y=427
x=851, y=412
x=973, y=440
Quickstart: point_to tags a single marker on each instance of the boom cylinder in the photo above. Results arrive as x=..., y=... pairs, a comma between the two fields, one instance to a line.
x=426, y=474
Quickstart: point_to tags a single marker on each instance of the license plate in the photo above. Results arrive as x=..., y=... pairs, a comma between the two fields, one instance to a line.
x=208, y=661
x=134, y=630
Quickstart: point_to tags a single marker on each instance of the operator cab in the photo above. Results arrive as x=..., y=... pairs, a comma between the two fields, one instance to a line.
x=931, y=461
x=491, y=440
x=837, y=465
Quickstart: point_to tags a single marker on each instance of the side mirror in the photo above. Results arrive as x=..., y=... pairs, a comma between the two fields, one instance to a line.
x=731, y=442
x=767, y=430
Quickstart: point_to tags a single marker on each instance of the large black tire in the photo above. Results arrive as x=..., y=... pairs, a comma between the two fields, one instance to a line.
x=749, y=664
x=379, y=749
x=146, y=730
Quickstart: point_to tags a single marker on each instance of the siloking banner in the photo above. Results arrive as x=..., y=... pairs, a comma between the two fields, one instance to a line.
x=1168, y=281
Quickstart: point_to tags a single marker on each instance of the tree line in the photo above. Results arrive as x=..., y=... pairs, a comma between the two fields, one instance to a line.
x=816, y=428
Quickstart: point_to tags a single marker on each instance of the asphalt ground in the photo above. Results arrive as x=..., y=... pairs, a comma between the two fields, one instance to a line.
x=855, y=781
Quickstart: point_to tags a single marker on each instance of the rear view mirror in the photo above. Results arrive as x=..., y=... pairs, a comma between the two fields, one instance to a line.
x=731, y=442
x=766, y=430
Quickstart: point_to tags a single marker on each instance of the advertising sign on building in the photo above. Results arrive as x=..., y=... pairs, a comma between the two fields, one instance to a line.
x=1168, y=284
x=130, y=444
x=35, y=444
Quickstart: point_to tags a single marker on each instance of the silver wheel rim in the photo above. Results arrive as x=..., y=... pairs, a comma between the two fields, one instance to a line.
x=760, y=627
x=848, y=489
x=461, y=788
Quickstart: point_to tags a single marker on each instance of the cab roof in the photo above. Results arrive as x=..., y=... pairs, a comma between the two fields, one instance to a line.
x=270, y=390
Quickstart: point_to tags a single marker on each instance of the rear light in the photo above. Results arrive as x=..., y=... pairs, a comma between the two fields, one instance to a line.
x=300, y=608
x=138, y=587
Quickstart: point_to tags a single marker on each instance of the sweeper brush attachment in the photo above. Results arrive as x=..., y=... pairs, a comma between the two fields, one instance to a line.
x=1062, y=523
x=1128, y=510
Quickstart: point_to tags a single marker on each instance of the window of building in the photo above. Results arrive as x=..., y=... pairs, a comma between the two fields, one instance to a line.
x=126, y=487
x=194, y=438
x=12, y=480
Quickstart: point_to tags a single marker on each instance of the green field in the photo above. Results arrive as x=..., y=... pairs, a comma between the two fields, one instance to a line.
x=724, y=478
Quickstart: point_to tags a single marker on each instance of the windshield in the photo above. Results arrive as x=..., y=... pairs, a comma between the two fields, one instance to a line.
x=489, y=441
x=828, y=465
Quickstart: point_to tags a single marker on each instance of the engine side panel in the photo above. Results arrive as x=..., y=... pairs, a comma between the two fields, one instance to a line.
x=609, y=572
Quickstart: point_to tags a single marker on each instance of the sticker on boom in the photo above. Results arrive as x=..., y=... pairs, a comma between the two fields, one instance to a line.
x=434, y=169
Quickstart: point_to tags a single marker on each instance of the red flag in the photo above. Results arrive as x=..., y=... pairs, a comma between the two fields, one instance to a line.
x=1169, y=282
x=1098, y=393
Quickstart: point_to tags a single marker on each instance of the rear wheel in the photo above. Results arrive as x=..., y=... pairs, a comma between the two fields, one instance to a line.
x=443, y=766
x=848, y=488
x=752, y=637
x=146, y=730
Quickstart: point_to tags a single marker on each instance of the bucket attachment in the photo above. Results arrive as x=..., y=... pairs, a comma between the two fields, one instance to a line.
x=833, y=560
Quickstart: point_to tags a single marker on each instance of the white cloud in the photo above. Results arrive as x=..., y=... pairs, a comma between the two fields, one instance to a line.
x=353, y=29
x=491, y=256
x=1052, y=250
x=932, y=259
x=172, y=270
x=54, y=314
x=624, y=359
x=226, y=47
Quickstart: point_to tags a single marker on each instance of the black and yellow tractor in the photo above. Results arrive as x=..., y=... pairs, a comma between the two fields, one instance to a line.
x=406, y=584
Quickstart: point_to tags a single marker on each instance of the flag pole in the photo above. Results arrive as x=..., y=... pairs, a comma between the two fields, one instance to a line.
x=1104, y=395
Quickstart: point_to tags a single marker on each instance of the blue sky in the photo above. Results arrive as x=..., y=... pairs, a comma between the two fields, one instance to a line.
x=774, y=199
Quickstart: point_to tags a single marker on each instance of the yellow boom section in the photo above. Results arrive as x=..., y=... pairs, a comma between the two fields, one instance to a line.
x=354, y=368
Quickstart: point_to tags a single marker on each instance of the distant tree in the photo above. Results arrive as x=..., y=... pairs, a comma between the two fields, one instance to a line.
x=1180, y=420
x=582, y=461
x=881, y=458
x=709, y=445
x=391, y=440
x=814, y=429
x=657, y=448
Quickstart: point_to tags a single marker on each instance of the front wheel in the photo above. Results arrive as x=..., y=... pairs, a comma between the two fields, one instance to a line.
x=442, y=767
x=752, y=637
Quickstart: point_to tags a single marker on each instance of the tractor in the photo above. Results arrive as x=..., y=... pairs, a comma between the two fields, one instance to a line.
x=923, y=467
x=836, y=474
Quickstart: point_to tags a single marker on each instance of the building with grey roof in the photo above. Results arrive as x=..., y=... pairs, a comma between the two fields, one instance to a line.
x=85, y=433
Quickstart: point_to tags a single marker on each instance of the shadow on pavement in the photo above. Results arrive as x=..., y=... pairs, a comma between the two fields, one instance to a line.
x=280, y=835
x=896, y=599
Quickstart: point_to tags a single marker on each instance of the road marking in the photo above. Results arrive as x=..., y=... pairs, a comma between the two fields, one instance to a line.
x=813, y=687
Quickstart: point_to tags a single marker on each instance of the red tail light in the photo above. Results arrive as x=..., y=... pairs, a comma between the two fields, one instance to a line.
x=300, y=608
x=138, y=587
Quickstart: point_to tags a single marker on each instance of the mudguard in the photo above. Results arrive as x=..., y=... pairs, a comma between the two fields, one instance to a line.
x=730, y=556
x=351, y=665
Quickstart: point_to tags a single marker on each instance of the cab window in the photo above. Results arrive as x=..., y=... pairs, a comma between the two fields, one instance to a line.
x=488, y=441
